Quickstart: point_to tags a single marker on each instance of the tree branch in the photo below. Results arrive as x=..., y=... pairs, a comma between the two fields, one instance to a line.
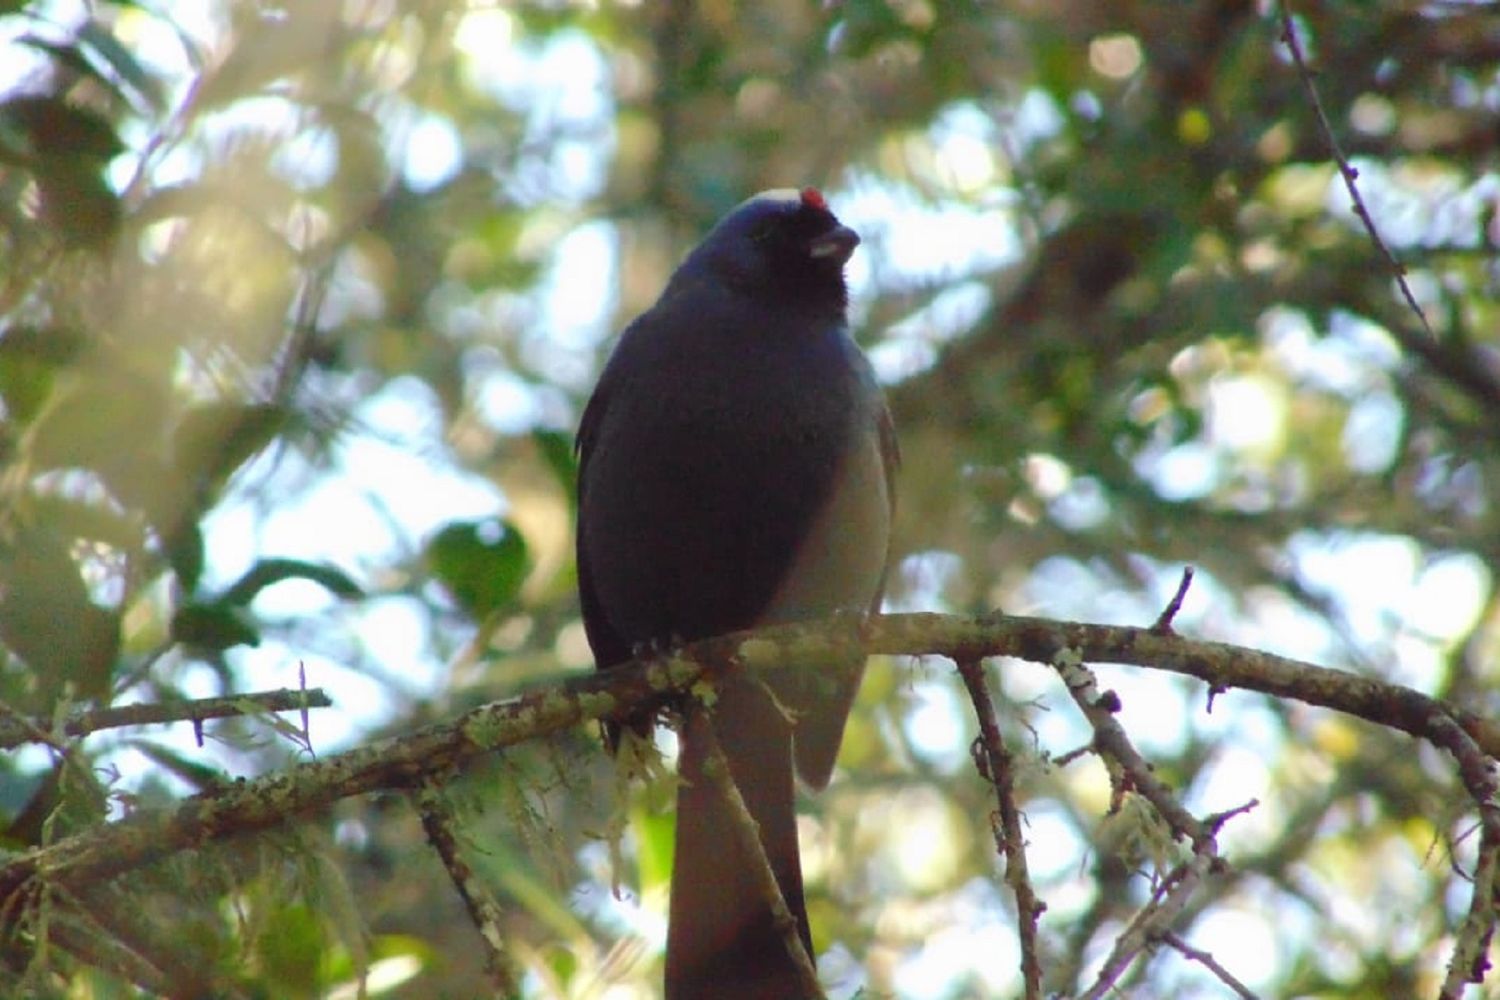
x=16, y=730
x=1347, y=172
x=1136, y=776
x=716, y=768
x=1210, y=963
x=441, y=828
x=1470, y=960
x=404, y=761
x=997, y=767
x=1461, y=370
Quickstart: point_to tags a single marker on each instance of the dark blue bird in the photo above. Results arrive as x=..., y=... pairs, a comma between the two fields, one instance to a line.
x=735, y=470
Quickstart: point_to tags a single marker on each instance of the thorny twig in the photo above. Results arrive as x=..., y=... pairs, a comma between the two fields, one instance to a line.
x=17, y=730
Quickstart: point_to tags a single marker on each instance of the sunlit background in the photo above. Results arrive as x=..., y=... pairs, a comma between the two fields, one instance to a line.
x=1128, y=320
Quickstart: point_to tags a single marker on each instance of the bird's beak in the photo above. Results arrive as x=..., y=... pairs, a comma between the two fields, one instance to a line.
x=837, y=245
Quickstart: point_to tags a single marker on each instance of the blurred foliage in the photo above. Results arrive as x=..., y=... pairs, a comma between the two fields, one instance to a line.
x=299, y=302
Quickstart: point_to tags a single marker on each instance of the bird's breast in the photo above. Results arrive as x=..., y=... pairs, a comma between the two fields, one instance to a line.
x=736, y=489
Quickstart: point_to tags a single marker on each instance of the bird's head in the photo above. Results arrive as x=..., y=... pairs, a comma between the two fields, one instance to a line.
x=784, y=243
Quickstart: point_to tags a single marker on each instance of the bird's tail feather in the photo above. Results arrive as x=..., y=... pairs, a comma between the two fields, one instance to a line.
x=722, y=941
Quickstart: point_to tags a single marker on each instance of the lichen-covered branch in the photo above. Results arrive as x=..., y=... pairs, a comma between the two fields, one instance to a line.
x=1221, y=666
x=406, y=760
x=1470, y=960
x=441, y=827
x=716, y=769
x=1136, y=776
x=397, y=762
x=997, y=767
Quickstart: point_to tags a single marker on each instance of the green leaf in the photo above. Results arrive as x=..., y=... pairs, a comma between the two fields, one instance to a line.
x=53, y=345
x=188, y=768
x=270, y=571
x=557, y=451
x=291, y=949
x=214, y=627
x=655, y=836
x=482, y=564
x=184, y=551
x=25, y=386
x=65, y=53
x=97, y=37
x=563, y=962
x=98, y=423
x=92, y=520
x=48, y=619
x=214, y=440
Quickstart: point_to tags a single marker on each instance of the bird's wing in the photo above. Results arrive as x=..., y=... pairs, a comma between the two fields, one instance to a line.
x=856, y=513
x=609, y=647
x=890, y=455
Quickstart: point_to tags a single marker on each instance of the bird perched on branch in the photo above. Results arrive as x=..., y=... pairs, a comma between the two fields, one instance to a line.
x=736, y=466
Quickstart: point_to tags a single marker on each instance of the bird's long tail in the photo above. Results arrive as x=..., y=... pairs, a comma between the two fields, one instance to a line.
x=721, y=940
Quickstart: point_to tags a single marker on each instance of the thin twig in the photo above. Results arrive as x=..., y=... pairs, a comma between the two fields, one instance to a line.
x=996, y=766
x=1209, y=962
x=716, y=768
x=1151, y=922
x=1470, y=960
x=1163, y=624
x=1069, y=756
x=440, y=824
x=1177, y=888
x=1110, y=739
x=1458, y=367
x=1346, y=170
x=27, y=730
x=15, y=731
x=1471, y=949
x=269, y=801
x=97, y=947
